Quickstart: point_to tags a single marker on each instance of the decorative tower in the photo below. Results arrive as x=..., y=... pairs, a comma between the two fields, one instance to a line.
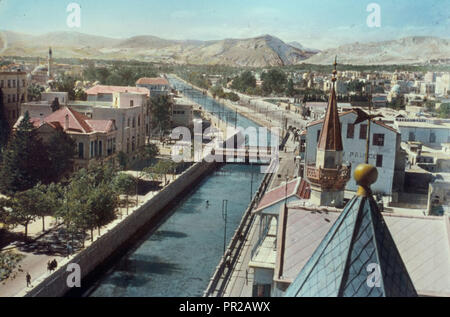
x=329, y=176
x=50, y=63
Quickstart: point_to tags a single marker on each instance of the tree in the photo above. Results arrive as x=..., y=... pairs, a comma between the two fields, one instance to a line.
x=25, y=160
x=102, y=205
x=123, y=160
x=444, y=111
x=244, y=82
x=163, y=167
x=161, y=112
x=66, y=84
x=61, y=152
x=55, y=105
x=49, y=202
x=34, y=92
x=274, y=81
x=150, y=151
x=124, y=184
x=25, y=207
x=4, y=126
x=290, y=90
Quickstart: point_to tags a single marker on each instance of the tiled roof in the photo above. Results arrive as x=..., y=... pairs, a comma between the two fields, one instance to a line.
x=423, y=243
x=379, y=122
x=77, y=122
x=101, y=89
x=330, y=137
x=153, y=81
x=298, y=187
x=340, y=266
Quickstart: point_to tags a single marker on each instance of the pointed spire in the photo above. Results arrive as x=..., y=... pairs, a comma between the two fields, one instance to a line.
x=330, y=136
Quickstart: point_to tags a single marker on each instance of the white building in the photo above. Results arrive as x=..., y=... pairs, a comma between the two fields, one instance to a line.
x=443, y=85
x=427, y=131
x=385, y=151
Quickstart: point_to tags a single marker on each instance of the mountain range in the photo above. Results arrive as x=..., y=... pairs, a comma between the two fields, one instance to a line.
x=262, y=51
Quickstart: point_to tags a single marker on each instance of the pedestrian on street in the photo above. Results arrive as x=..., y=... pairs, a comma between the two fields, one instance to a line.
x=28, y=277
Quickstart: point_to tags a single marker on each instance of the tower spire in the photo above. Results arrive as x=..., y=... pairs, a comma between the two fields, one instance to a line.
x=330, y=136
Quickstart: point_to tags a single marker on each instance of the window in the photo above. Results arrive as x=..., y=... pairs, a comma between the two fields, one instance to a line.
x=131, y=103
x=139, y=120
x=318, y=135
x=81, y=150
x=433, y=137
x=350, y=131
x=1, y=83
x=92, y=149
x=379, y=160
x=100, y=148
x=363, y=132
x=9, y=83
x=134, y=122
x=14, y=83
x=9, y=98
x=129, y=122
x=412, y=137
x=378, y=139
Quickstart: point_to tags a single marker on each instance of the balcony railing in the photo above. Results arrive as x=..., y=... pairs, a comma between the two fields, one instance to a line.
x=329, y=178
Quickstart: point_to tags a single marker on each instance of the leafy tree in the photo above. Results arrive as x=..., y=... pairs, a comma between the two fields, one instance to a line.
x=49, y=201
x=163, y=167
x=290, y=90
x=244, y=82
x=25, y=160
x=25, y=207
x=34, y=92
x=80, y=94
x=61, y=153
x=125, y=184
x=102, y=206
x=356, y=86
x=274, y=81
x=66, y=84
x=150, y=151
x=444, y=111
x=4, y=126
x=123, y=160
x=55, y=105
x=161, y=112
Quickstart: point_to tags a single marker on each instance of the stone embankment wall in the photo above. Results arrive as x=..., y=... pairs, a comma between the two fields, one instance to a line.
x=56, y=284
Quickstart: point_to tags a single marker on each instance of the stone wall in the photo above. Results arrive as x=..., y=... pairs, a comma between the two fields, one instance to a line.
x=55, y=285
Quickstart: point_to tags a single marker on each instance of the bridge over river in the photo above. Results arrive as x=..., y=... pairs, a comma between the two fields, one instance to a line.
x=178, y=258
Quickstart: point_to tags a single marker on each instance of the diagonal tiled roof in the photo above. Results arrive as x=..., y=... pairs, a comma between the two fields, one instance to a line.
x=341, y=264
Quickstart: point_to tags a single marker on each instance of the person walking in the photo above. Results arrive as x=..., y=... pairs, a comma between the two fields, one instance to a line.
x=28, y=278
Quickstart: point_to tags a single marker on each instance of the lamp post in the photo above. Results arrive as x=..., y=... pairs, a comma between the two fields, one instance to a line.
x=225, y=217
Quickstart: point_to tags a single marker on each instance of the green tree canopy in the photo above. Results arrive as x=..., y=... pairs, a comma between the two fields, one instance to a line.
x=161, y=112
x=274, y=81
x=25, y=160
x=61, y=152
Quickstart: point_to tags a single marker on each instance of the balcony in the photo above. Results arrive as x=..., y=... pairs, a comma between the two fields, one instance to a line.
x=329, y=178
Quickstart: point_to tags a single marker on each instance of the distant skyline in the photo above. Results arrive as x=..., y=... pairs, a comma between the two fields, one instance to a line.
x=316, y=24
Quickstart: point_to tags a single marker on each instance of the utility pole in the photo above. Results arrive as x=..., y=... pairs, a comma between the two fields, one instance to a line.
x=368, y=131
x=251, y=184
x=225, y=217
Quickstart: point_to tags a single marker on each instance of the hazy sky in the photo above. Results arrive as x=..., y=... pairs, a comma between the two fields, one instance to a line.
x=314, y=23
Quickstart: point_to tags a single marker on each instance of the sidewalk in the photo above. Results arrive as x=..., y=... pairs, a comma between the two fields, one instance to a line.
x=37, y=254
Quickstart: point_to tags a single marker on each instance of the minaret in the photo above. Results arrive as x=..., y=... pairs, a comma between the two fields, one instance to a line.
x=50, y=63
x=329, y=176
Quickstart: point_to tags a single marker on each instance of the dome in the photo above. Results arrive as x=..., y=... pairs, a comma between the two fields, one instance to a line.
x=40, y=68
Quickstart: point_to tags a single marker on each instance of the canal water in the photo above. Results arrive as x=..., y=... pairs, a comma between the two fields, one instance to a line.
x=180, y=257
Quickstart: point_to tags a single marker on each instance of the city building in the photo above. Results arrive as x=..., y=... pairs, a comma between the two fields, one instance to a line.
x=95, y=139
x=14, y=86
x=182, y=112
x=427, y=131
x=157, y=86
x=385, y=151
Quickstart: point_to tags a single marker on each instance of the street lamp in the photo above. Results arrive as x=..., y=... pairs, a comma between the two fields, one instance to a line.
x=225, y=217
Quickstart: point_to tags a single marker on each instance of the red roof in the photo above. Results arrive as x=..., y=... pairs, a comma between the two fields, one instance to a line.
x=153, y=81
x=297, y=187
x=330, y=137
x=379, y=122
x=77, y=122
x=101, y=89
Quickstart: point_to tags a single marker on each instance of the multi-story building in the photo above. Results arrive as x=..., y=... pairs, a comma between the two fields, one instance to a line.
x=157, y=86
x=95, y=139
x=14, y=87
x=385, y=151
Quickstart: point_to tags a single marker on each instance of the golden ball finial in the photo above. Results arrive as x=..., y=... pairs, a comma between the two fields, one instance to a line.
x=365, y=175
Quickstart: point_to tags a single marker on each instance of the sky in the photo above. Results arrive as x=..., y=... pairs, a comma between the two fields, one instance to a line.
x=317, y=24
